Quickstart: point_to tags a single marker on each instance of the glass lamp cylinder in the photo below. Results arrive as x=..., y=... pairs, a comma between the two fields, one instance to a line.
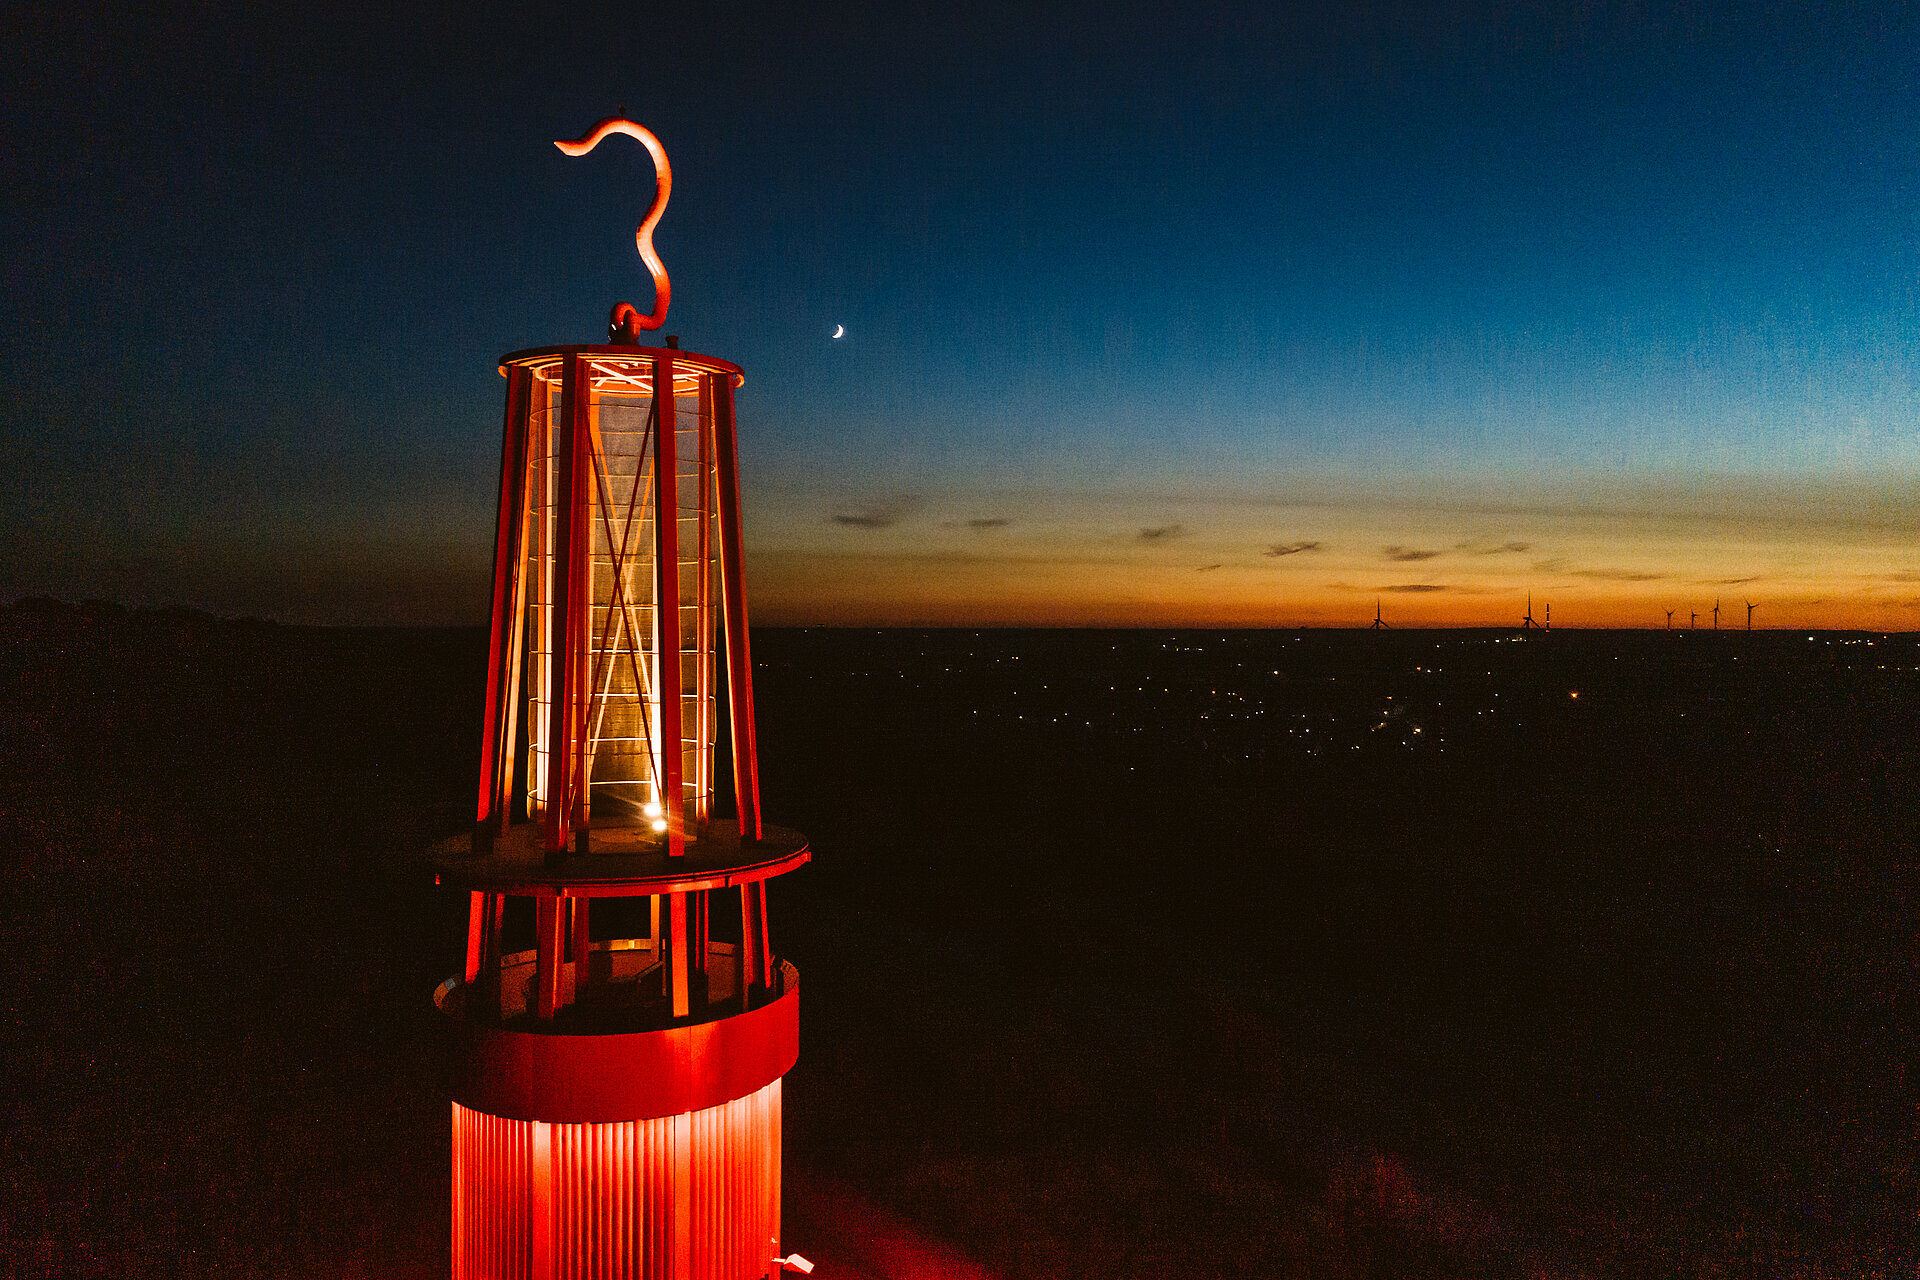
x=627, y=540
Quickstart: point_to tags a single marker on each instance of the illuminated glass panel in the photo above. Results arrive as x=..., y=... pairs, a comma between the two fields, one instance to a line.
x=627, y=623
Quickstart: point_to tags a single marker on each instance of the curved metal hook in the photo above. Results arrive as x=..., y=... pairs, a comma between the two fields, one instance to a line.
x=626, y=314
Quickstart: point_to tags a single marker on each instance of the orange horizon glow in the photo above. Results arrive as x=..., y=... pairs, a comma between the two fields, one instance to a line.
x=907, y=596
x=1354, y=613
x=1828, y=556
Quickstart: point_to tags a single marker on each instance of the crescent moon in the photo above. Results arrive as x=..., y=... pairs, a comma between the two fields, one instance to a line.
x=839, y=331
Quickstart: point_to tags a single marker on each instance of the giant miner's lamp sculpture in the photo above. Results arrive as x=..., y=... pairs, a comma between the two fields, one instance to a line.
x=617, y=1065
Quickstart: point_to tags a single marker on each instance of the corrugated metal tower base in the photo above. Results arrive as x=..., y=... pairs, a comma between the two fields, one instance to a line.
x=688, y=1197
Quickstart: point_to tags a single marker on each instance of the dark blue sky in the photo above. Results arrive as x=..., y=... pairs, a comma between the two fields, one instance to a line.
x=1134, y=298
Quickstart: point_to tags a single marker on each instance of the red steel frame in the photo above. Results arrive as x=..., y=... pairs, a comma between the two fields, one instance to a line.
x=570, y=616
x=746, y=764
x=568, y=802
x=666, y=559
x=509, y=607
x=683, y=928
x=703, y=607
x=684, y=912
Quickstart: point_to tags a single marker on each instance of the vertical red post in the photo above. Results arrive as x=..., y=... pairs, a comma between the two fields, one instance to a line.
x=503, y=656
x=503, y=632
x=749, y=946
x=548, y=954
x=765, y=958
x=585, y=445
x=756, y=949
x=666, y=523
x=541, y=430
x=582, y=947
x=677, y=954
x=700, y=930
x=733, y=577
x=569, y=616
x=703, y=609
x=483, y=995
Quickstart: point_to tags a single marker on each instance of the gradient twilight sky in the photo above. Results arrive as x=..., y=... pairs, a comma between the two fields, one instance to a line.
x=1154, y=314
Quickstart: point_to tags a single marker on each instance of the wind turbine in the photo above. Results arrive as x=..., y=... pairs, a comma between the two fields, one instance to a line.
x=1749, y=605
x=1716, y=615
x=1379, y=623
x=1527, y=623
x=1693, y=620
x=1669, y=619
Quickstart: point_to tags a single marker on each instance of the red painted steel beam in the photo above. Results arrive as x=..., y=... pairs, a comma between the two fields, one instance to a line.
x=749, y=957
x=568, y=616
x=585, y=446
x=761, y=956
x=676, y=904
x=765, y=935
x=509, y=561
x=703, y=608
x=509, y=735
x=582, y=948
x=733, y=577
x=548, y=955
x=666, y=525
x=484, y=992
x=702, y=923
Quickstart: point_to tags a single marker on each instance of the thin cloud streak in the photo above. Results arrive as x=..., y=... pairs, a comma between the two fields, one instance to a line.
x=882, y=515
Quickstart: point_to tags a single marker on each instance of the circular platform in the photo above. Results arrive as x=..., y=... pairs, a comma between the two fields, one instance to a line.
x=624, y=862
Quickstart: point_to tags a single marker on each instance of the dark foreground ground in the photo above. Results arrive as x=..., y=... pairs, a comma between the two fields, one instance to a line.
x=1125, y=954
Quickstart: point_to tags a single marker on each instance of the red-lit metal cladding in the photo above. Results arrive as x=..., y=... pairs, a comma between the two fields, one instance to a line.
x=617, y=1057
x=693, y=1195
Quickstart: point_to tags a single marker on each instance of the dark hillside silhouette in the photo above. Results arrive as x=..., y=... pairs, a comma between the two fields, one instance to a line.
x=1132, y=953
